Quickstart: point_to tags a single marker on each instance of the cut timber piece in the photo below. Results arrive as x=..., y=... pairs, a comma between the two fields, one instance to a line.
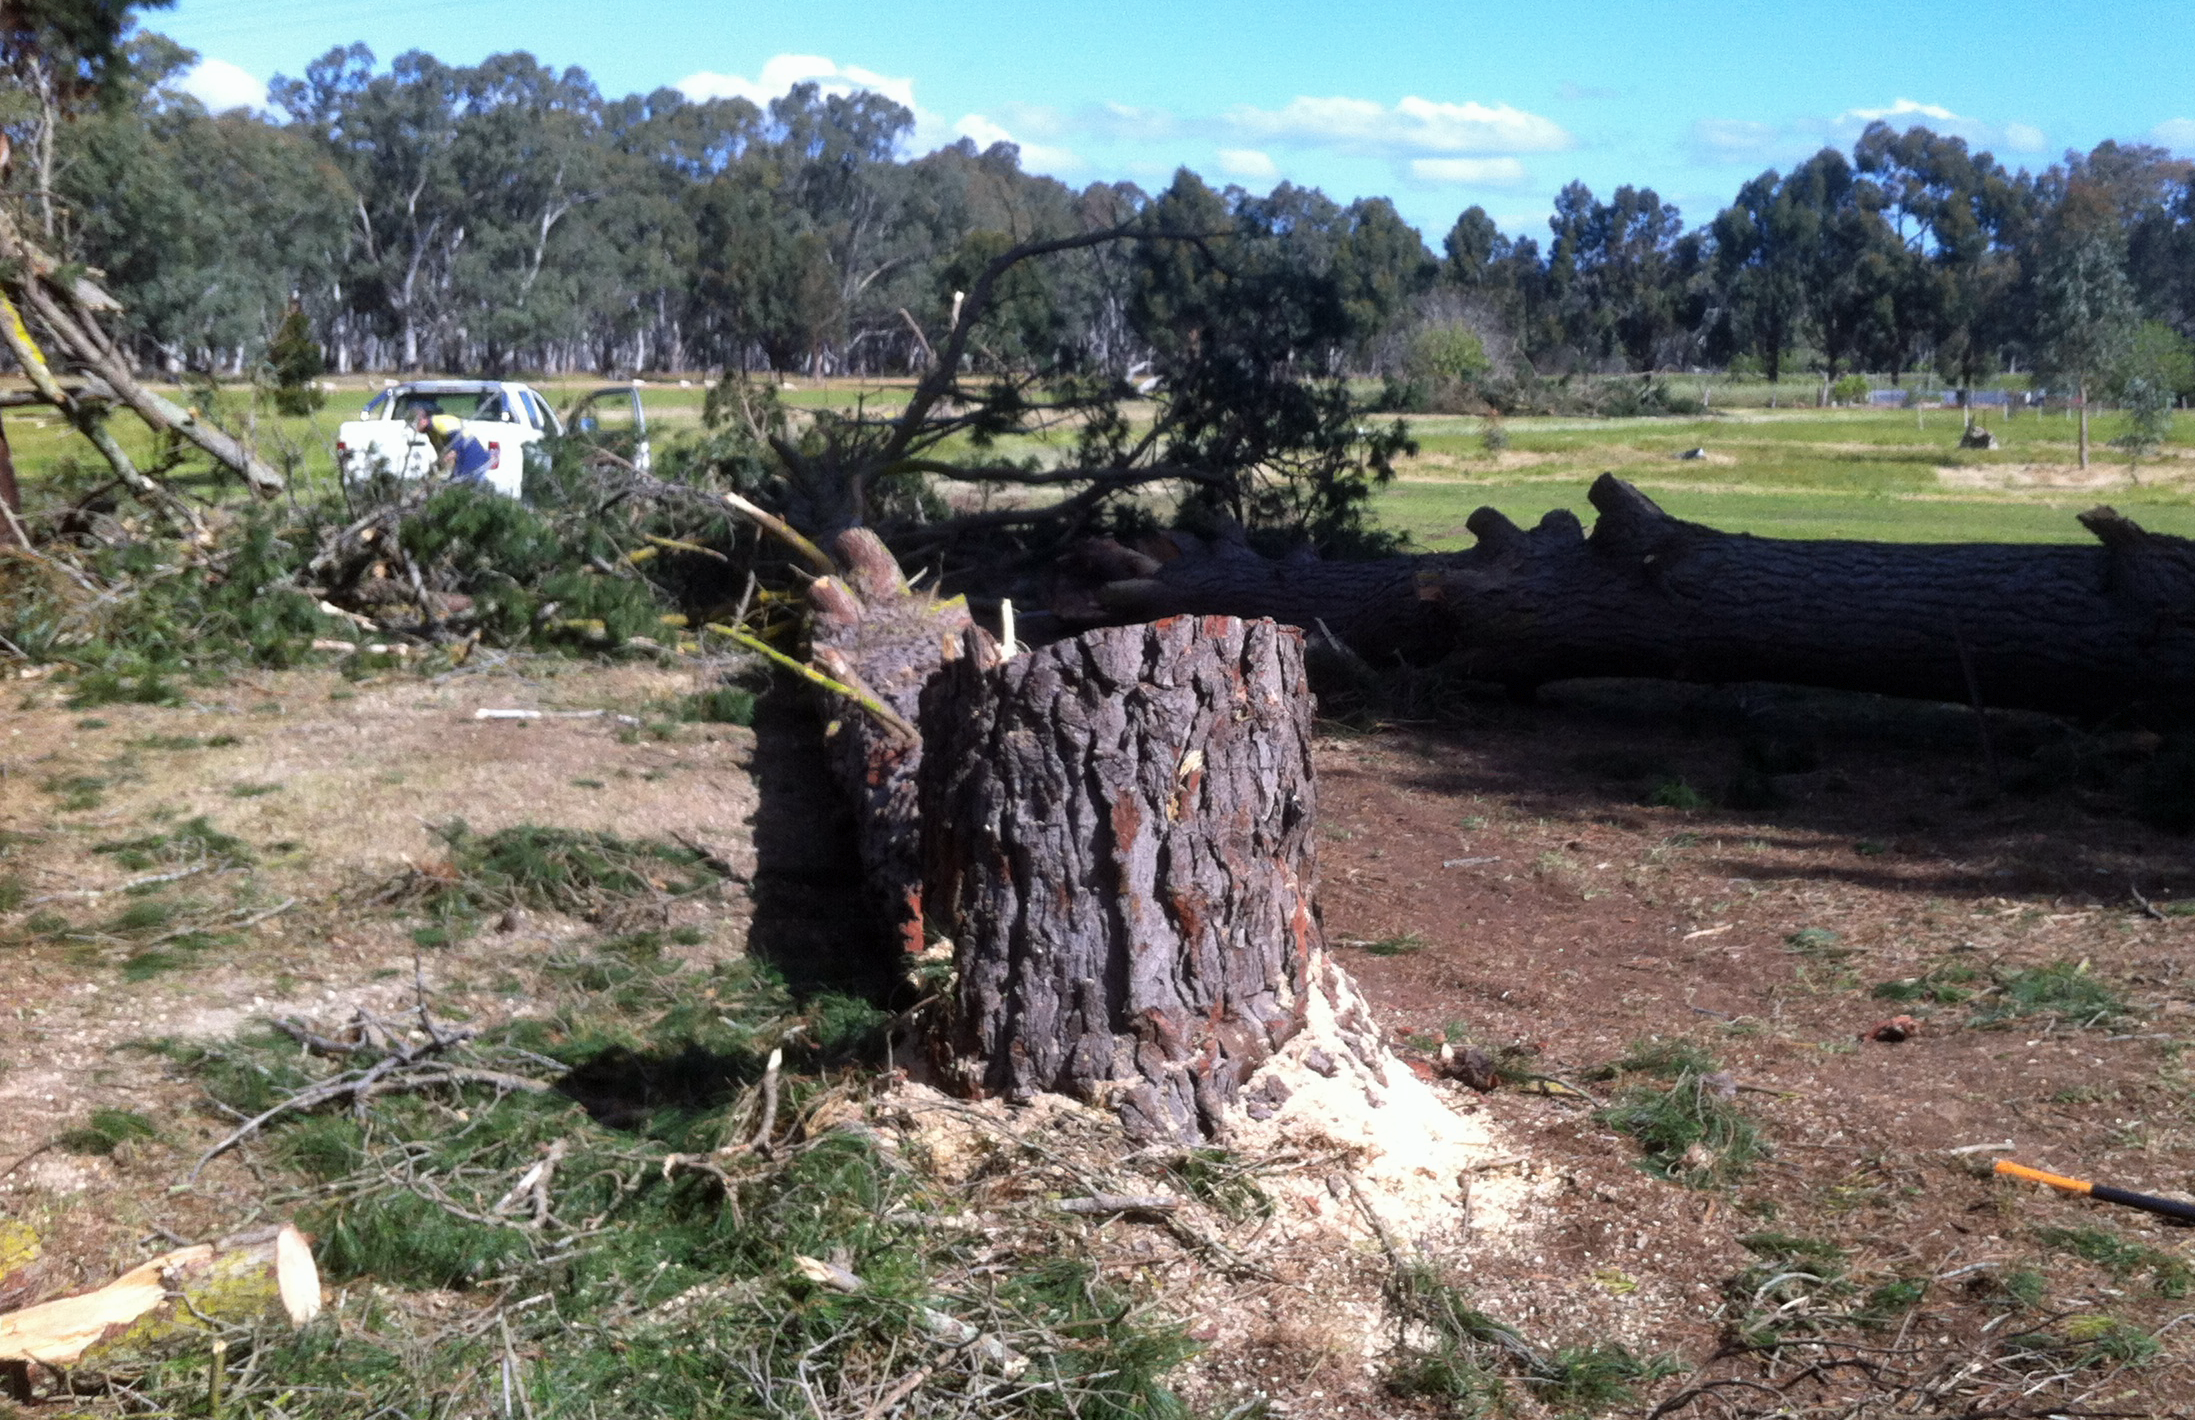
x=1117, y=834
x=2080, y=629
x=168, y=1305
x=877, y=636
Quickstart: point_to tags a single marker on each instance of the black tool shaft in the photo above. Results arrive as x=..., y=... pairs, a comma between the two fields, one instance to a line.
x=2148, y=1203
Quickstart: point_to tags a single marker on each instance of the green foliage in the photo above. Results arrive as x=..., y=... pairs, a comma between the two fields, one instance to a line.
x=574, y=871
x=1401, y=944
x=1676, y=794
x=1663, y=1057
x=1222, y=1179
x=672, y=1291
x=2081, y=1343
x=531, y=576
x=1850, y=389
x=2169, y=1274
x=1944, y=984
x=1689, y=1132
x=724, y=705
x=173, y=612
x=195, y=841
x=1442, y=367
x=297, y=364
x=1469, y=1359
x=107, y=1130
x=2067, y=990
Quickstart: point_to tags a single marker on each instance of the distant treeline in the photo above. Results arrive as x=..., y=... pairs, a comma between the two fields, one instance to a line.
x=509, y=217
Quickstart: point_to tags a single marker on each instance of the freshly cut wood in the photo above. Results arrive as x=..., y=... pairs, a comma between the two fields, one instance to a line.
x=2081, y=629
x=169, y=1305
x=1117, y=833
x=880, y=638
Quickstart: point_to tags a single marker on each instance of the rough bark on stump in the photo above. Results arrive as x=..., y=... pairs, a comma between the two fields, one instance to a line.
x=876, y=635
x=169, y=1306
x=2072, y=629
x=1117, y=833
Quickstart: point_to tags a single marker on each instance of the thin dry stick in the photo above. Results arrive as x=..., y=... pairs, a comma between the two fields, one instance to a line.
x=783, y=531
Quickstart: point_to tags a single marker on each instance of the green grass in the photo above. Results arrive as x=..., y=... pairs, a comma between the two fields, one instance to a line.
x=1791, y=473
x=2064, y=989
x=1688, y=1132
x=2169, y=1275
x=669, y=1291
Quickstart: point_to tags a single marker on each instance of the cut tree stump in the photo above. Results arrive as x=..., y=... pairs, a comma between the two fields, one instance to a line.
x=2075, y=629
x=1117, y=835
x=169, y=1306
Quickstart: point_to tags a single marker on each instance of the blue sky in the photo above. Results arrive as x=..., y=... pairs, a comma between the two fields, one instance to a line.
x=1438, y=106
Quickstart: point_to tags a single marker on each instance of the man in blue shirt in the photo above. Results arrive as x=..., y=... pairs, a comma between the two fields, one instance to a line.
x=463, y=458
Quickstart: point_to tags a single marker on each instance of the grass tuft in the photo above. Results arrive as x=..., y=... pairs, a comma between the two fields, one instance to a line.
x=2066, y=990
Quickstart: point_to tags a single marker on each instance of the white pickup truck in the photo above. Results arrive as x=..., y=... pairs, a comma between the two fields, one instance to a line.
x=508, y=418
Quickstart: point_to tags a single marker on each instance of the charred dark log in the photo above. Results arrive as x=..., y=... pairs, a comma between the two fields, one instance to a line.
x=884, y=641
x=1117, y=832
x=2070, y=629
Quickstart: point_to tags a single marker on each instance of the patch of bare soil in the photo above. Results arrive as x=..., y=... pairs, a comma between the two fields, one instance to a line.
x=1500, y=882
x=1507, y=882
x=2098, y=475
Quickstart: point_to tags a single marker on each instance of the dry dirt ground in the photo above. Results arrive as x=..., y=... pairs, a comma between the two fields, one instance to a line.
x=1497, y=879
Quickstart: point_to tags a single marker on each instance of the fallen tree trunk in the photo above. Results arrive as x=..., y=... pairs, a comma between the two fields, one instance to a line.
x=2069, y=629
x=1117, y=832
x=168, y=1306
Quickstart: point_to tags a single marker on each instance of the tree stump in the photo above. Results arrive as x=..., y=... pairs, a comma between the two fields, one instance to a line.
x=1117, y=835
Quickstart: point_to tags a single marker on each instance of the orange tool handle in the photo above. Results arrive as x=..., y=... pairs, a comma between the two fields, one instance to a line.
x=2055, y=1180
x=2103, y=1192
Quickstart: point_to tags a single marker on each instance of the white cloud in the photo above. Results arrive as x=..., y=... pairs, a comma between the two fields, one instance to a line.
x=1035, y=157
x=1413, y=126
x=1122, y=122
x=1737, y=140
x=2178, y=134
x=221, y=86
x=780, y=72
x=1247, y=163
x=1484, y=172
x=1903, y=108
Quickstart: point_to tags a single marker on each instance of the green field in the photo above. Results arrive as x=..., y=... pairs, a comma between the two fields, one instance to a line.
x=1892, y=475
x=1895, y=475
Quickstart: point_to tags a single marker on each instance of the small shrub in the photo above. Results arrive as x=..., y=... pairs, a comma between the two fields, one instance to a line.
x=725, y=705
x=1676, y=794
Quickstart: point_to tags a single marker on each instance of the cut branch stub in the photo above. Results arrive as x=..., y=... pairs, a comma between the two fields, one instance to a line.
x=882, y=639
x=170, y=1305
x=1117, y=834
